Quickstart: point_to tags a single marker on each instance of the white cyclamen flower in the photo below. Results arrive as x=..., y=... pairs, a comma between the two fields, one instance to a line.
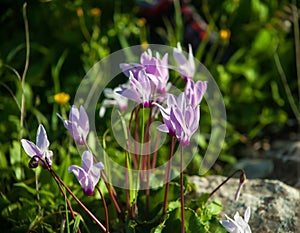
x=239, y=224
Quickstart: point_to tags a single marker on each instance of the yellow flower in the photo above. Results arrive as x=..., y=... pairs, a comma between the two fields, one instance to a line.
x=96, y=12
x=145, y=45
x=225, y=34
x=61, y=98
x=142, y=22
x=79, y=12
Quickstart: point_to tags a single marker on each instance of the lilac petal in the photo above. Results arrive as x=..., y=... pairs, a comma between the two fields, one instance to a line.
x=247, y=214
x=201, y=88
x=181, y=102
x=87, y=161
x=130, y=94
x=177, y=53
x=189, y=115
x=163, y=128
x=177, y=117
x=191, y=59
x=95, y=173
x=30, y=148
x=81, y=176
x=84, y=122
x=72, y=127
x=41, y=138
x=230, y=226
x=74, y=114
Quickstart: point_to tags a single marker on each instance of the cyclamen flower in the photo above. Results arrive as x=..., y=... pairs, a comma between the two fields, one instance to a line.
x=78, y=124
x=194, y=92
x=39, y=149
x=181, y=116
x=156, y=69
x=89, y=174
x=186, y=67
x=114, y=99
x=180, y=120
x=239, y=224
x=140, y=90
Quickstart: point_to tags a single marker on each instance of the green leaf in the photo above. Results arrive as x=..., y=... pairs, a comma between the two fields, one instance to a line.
x=214, y=208
x=130, y=226
x=76, y=224
x=26, y=187
x=192, y=222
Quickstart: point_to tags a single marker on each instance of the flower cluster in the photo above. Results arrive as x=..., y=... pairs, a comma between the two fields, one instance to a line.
x=148, y=86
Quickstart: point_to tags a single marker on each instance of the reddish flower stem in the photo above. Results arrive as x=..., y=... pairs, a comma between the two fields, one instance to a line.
x=168, y=174
x=105, y=209
x=58, y=179
x=181, y=189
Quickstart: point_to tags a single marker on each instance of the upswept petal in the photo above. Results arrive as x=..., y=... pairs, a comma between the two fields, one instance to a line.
x=82, y=178
x=84, y=122
x=41, y=138
x=247, y=214
x=87, y=161
x=74, y=114
x=30, y=148
x=95, y=173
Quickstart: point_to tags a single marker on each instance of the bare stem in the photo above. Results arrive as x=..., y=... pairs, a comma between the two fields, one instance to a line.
x=168, y=174
x=25, y=70
x=286, y=86
x=297, y=43
x=61, y=182
x=105, y=209
x=242, y=180
x=181, y=190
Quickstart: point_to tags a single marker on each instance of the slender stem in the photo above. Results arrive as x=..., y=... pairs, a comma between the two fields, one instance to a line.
x=155, y=150
x=242, y=178
x=112, y=193
x=297, y=43
x=127, y=184
x=38, y=196
x=181, y=189
x=168, y=174
x=25, y=70
x=76, y=199
x=63, y=193
x=286, y=87
x=105, y=209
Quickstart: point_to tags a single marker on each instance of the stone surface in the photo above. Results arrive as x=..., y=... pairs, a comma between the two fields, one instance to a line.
x=275, y=206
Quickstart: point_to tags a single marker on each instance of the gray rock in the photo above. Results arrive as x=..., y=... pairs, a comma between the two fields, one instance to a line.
x=275, y=206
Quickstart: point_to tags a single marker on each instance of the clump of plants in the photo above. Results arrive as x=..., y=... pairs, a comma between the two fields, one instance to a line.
x=151, y=197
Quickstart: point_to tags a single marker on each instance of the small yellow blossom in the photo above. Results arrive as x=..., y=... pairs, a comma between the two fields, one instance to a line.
x=96, y=12
x=61, y=98
x=145, y=45
x=142, y=22
x=225, y=34
x=79, y=12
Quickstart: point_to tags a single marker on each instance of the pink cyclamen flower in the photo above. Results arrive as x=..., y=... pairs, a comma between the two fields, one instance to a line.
x=157, y=70
x=180, y=120
x=239, y=224
x=78, y=124
x=186, y=66
x=39, y=149
x=113, y=99
x=140, y=89
x=88, y=175
x=194, y=91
